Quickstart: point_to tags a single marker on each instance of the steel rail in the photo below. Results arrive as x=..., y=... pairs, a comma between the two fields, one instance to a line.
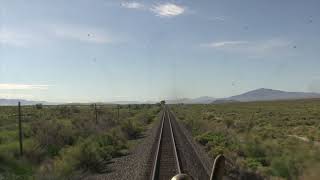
x=158, y=148
x=174, y=146
x=159, y=144
x=208, y=171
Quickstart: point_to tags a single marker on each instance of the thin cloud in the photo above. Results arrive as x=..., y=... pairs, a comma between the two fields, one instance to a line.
x=224, y=44
x=11, y=37
x=23, y=87
x=167, y=10
x=252, y=48
x=161, y=9
x=79, y=33
x=42, y=35
x=217, y=18
x=212, y=18
x=132, y=5
x=15, y=96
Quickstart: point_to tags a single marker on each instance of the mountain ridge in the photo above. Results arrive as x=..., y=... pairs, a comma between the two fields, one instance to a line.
x=261, y=94
x=265, y=94
x=14, y=102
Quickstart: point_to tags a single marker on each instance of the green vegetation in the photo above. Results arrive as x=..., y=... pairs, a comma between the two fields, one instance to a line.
x=277, y=139
x=64, y=142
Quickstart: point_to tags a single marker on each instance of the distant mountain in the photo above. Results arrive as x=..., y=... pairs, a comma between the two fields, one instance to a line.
x=14, y=102
x=202, y=100
x=112, y=103
x=178, y=101
x=130, y=102
x=255, y=95
x=223, y=101
x=199, y=100
x=270, y=95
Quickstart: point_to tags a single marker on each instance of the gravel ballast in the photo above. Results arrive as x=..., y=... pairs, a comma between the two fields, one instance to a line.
x=198, y=163
x=136, y=165
x=194, y=160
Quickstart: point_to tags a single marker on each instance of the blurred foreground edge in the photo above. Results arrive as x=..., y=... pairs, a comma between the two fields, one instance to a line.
x=216, y=174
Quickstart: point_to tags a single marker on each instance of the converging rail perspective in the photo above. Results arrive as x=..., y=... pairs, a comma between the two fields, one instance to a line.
x=175, y=158
x=166, y=161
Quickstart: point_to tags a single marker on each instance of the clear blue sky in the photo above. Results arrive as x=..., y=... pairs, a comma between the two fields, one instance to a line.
x=104, y=50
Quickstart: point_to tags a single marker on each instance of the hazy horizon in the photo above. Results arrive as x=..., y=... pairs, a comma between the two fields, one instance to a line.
x=148, y=101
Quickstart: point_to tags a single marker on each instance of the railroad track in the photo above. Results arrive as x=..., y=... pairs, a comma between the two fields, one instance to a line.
x=174, y=154
x=166, y=163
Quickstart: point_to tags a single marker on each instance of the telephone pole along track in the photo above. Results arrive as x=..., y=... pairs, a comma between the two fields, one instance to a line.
x=166, y=163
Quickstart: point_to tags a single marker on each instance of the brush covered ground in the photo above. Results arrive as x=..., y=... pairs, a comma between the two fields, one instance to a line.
x=66, y=141
x=276, y=139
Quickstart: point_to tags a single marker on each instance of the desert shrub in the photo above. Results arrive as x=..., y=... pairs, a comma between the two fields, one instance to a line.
x=61, y=142
x=285, y=167
x=75, y=109
x=53, y=135
x=311, y=173
x=254, y=148
x=33, y=152
x=213, y=138
x=64, y=111
x=208, y=116
x=84, y=126
x=216, y=150
x=16, y=167
x=12, y=176
x=257, y=138
x=131, y=128
x=181, y=117
x=228, y=123
x=253, y=163
x=8, y=136
x=218, y=143
x=91, y=154
x=196, y=127
x=10, y=162
x=11, y=149
x=144, y=118
x=39, y=106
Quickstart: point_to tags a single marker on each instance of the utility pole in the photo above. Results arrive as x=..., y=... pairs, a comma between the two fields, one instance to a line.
x=113, y=114
x=96, y=112
x=20, y=129
x=118, y=113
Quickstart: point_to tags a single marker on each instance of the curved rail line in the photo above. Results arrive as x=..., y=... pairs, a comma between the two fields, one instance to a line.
x=166, y=163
